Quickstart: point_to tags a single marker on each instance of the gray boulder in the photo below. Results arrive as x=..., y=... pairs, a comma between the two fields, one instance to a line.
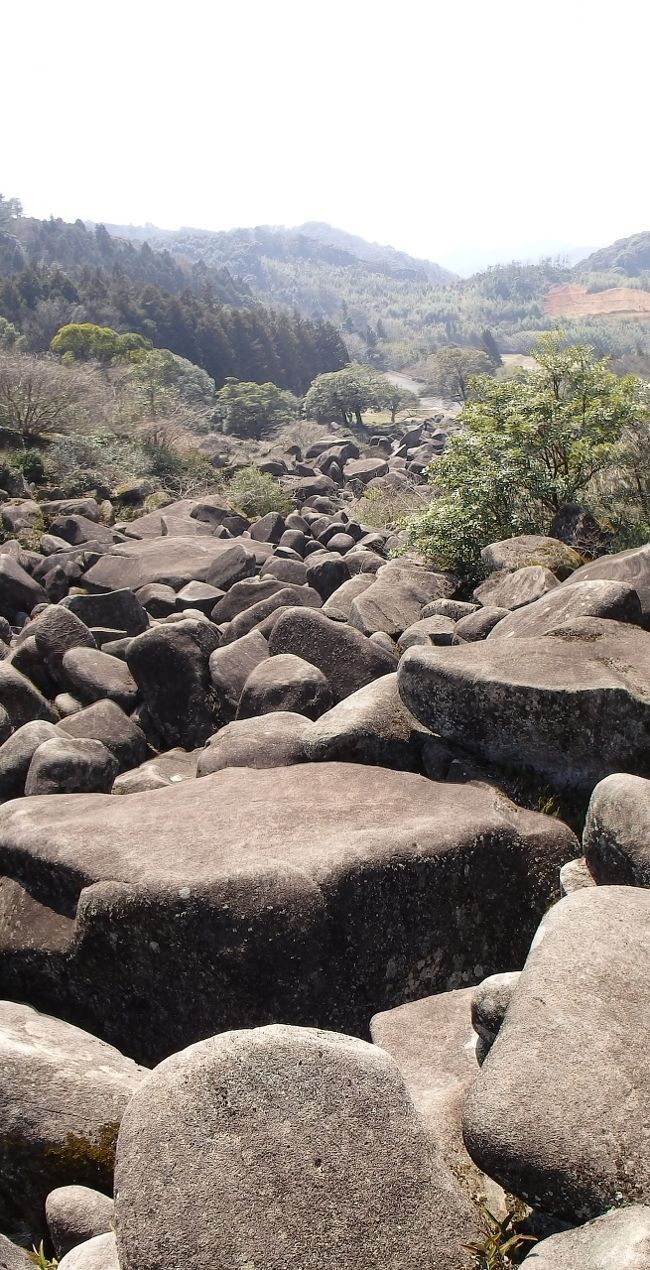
x=170, y=560
x=339, y=603
x=477, y=626
x=616, y=839
x=76, y=1213
x=12, y=1257
x=62, y=1095
x=289, y=1146
x=118, y=609
x=598, y=599
x=272, y=740
x=557, y=1114
x=229, y=668
x=572, y=711
x=619, y=1240
x=99, y=1253
x=371, y=726
x=156, y=773
x=105, y=722
x=170, y=665
x=631, y=568
x=63, y=765
x=19, y=593
x=490, y=1000
x=17, y=753
x=94, y=676
x=531, y=549
x=286, y=683
x=206, y=905
x=395, y=599
x=348, y=660
x=513, y=590
x=21, y=699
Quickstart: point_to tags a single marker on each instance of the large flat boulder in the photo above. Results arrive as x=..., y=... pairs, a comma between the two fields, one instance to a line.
x=558, y=1114
x=283, y=1147
x=315, y=893
x=173, y=561
x=615, y=601
x=573, y=708
x=631, y=567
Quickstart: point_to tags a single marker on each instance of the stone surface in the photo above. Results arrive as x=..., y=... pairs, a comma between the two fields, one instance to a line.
x=17, y=752
x=19, y=593
x=95, y=676
x=616, y=839
x=490, y=1000
x=348, y=660
x=619, y=1240
x=170, y=560
x=370, y=726
x=76, y=1213
x=288, y=1147
x=21, y=700
x=12, y=1257
x=531, y=549
x=170, y=665
x=513, y=590
x=210, y=904
x=62, y=1095
x=395, y=599
x=612, y=600
x=632, y=568
x=230, y=666
x=63, y=765
x=119, y=609
x=286, y=683
x=572, y=709
x=106, y=722
x=558, y=1112
x=99, y=1253
x=272, y=740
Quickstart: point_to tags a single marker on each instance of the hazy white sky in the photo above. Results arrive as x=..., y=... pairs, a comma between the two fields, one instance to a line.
x=443, y=128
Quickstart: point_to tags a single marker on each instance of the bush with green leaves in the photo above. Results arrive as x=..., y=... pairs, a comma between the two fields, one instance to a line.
x=528, y=446
x=255, y=493
x=253, y=410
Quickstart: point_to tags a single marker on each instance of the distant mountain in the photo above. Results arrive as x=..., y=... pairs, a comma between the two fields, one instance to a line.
x=395, y=263
x=628, y=256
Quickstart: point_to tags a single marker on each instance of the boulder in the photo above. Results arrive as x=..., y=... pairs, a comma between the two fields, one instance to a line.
x=170, y=665
x=243, y=595
x=105, y=722
x=613, y=601
x=557, y=1113
x=17, y=753
x=348, y=660
x=76, y=1213
x=573, y=712
x=326, y=572
x=119, y=609
x=631, y=568
x=339, y=603
x=165, y=769
x=56, y=630
x=479, y=625
x=12, y=1257
x=619, y=1240
x=428, y=632
x=63, y=765
x=19, y=593
x=286, y=683
x=283, y=570
x=531, y=549
x=156, y=600
x=229, y=668
x=208, y=905
x=99, y=1253
x=62, y=1095
x=287, y=597
x=616, y=839
x=92, y=676
x=289, y=1147
x=271, y=740
x=172, y=561
x=371, y=726
x=20, y=699
x=514, y=590
x=395, y=600
x=490, y=1000
x=78, y=530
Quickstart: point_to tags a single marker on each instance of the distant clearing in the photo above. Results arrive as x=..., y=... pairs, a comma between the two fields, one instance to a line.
x=571, y=300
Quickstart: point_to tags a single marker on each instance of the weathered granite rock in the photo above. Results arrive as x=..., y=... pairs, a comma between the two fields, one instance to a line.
x=339, y=603
x=106, y=722
x=99, y=1253
x=77, y=1213
x=21, y=700
x=598, y=599
x=557, y=1114
x=12, y=1257
x=62, y=1095
x=187, y=910
x=287, y=683
x=572, y=711
x=63, y=765
x=17, y=753
x=271, y=740
x=347, y=659
x=372, y=726
x=170, y=560
x=170, y=665
x=619, y=1240
x=490, y=1000
x=165, y=769
x=631, y=568
x=477, y=626
x=531, y=549
x=94, y=676
x=19, y=593
x=616, y=839
x=395, y=599
x=119, y=609
x=288, y=1146
x=513, y=590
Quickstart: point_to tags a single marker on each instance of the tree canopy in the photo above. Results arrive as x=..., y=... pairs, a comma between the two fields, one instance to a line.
x=253, y=410
x=528, y=446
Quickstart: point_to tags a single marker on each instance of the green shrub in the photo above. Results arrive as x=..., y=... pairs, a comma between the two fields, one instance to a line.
x=255, y=493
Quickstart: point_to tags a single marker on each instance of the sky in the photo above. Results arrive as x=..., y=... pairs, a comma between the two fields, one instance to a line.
x=463, y=132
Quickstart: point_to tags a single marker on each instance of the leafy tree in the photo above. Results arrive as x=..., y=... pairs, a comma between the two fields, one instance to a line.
x=450, y=371
x=162, y=383
x=345, y=394
x=255, y=493
x=489, y=346
x=253, y=410
x=10, y=336
x=391, y=397
x=528, y=446
x=86, y=342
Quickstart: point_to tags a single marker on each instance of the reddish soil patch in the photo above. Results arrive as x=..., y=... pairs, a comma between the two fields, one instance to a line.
x=571, y=300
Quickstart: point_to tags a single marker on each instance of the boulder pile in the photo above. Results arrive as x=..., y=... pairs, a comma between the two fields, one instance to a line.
x=303, y=962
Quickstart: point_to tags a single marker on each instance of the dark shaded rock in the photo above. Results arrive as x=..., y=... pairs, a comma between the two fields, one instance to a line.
x=21, y=700
x=287, y=597
x=62, y=1094
x=77, y=530
x=19, y=593
x=105, y=722
x=156, y=600
x=234, y=564
x=170, y=666
x=242, y=596
x=293, y=571
x=326, y=572
x=93, y=675
x=55, y=631
x=286, y=683
x=269, y=528
x=490, y=1000
x=477, y=626
x=339, y=603
x=347, y=659
x=119, y=609
x=576, y=526
x=270, y=740
x=313, y=1127
x=229, y=668
x=199, y=596
x=566, y=1134
x=203, y=906
x=63, y=765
